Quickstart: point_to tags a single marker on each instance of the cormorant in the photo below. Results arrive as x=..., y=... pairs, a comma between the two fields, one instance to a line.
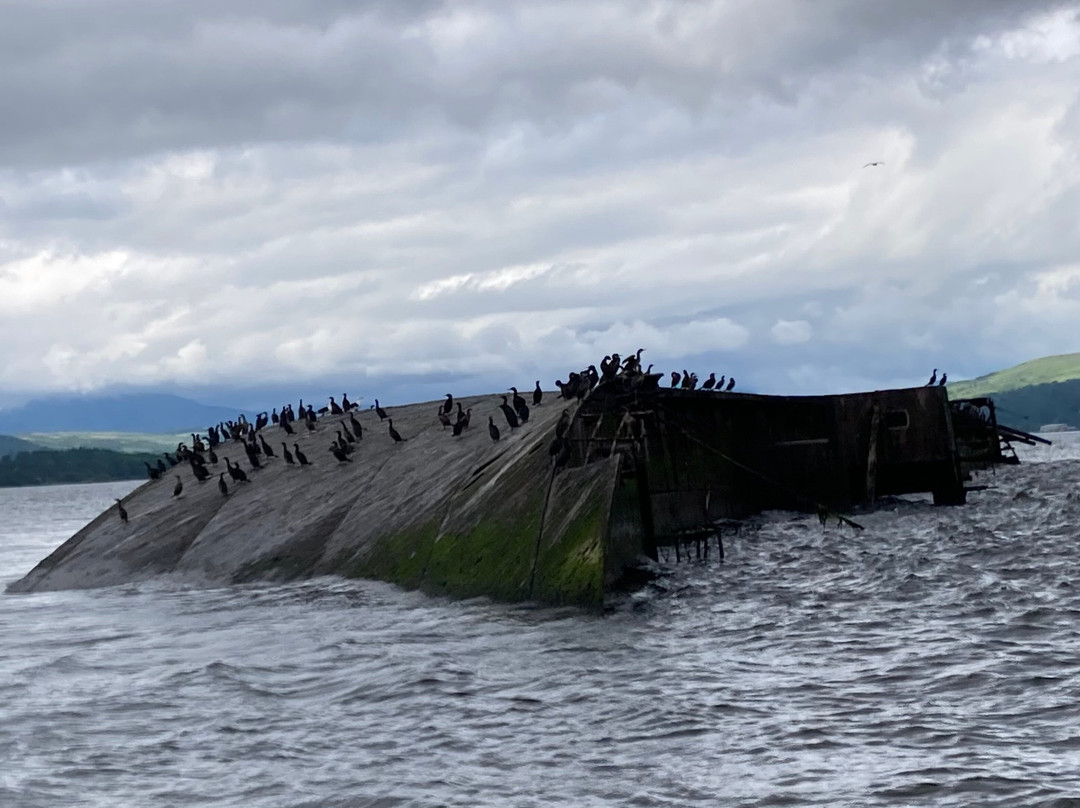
x=444, y=419
x=459, y=427
x=152, y=472
x=301, y=458
x=508, y=411
x=709, y=382
x=340, y=455
x=563, y=424
x=178, y=487
x=348, y=435
x=335, y=408
x=394, y=433
x=222, y=486
x=266, y=448
x=674, y=378
x=520, y=407
x=933, y=379
x=120, y=510
x=200, y=472
x=356, y=427
x=310, y=424
x=944, y=376
x=161, y=466
x=287, y=454
x=466, y=418
x=274, y=416
x=252, y=456
x=538, y=394
x=213, y=458
x=730, y=385
x=346, y=405
x=448, y=404
x=236, y=472
x=492, y=429
x=288, y=429
x=379, y=411
x=720, y=384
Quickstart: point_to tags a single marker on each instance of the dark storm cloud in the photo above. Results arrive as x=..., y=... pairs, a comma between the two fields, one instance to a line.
x=198, y=193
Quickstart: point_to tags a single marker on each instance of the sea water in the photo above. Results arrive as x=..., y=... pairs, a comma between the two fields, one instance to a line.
x=932, y=658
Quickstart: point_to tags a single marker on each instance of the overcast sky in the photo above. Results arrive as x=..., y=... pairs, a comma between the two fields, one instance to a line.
x=233, y=198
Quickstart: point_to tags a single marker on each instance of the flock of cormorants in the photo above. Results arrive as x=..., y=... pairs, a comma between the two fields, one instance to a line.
x=202, y=454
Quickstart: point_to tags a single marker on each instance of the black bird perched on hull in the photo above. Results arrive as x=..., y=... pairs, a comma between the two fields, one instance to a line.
x=285, y=425
x=200, y=472
x=459, y=427
x=563, y=425
x=520, y=407
x=348, y=435
x=151, y=472
x=301, y=458
x=944, y=376
x=266, y=448
x=508, y=411
x=335, y=408
x=252, y=456
x=538, y=394
x=674, y=378
x=120, y=510
x=342, y=444
x=492, y=429
x=236, y=472
x=346, y=404
x=287, y=454
x=356, y=427
x=213, y=458
x=709, y=382
x=730, y=385
x=340, y=455
x=222, y=485
x=448, y=405
x=933, y=379
x=178, y=487
x=444, y=419
x=379, y=411
x=394, y=433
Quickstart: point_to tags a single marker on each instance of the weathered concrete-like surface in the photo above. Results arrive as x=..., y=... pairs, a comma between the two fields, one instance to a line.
x=460, y=516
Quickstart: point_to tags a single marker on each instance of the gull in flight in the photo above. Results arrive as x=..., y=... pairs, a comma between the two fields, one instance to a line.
x=877, y=163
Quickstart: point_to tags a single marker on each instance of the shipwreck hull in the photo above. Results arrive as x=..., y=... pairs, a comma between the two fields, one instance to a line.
x=510, y=520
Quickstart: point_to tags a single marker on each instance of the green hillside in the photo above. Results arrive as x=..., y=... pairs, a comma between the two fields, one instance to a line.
x=1046, y=370
x=117, y=441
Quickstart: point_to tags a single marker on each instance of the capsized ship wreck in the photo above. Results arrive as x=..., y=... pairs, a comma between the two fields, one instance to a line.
x=528, y=517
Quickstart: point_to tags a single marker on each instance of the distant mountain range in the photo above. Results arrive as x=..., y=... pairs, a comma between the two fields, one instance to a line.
x=136, y=412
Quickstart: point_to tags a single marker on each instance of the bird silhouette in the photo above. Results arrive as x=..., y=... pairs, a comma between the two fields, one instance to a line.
x=394, y=433
x=875, y=163
x=120, y=510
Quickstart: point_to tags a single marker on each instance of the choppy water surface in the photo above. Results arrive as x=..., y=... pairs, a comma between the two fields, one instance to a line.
x=931, y=660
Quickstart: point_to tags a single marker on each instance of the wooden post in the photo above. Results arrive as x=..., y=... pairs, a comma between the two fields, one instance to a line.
x=872, y=457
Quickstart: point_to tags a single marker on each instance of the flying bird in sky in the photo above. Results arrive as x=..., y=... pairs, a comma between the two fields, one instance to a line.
x=876, y=163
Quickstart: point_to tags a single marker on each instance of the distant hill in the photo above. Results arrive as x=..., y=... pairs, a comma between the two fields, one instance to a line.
x=47, y=467
x=1060, y=368
x=10, y=445
x=117, y=441
x=1031, y=394
x=137, y=412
